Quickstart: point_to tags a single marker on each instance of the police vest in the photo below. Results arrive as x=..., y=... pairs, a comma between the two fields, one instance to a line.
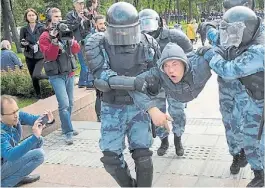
x=126, y=61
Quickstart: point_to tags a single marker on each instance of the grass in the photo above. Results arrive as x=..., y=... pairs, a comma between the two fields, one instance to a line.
x=23, y=102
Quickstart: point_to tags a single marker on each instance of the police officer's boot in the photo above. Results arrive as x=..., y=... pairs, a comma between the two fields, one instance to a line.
x=258, y=180
x=113, y=165
x=242, y=158
x=163, y=147
x=178, y=145
x=123, y=177
x=235, y=167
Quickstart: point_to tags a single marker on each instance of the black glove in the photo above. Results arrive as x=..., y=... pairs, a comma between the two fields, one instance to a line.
x=148, y=85
x=221, y=51
x=153, y=85
x=202, y=50
x=140, y=84
x=227, y=54
x=232, y=53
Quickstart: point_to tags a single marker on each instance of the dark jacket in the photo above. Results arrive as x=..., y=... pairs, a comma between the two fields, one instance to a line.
x=32, y=38
x=80, y=30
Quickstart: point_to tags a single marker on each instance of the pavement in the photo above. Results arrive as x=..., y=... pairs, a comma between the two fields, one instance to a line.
x=205, y=163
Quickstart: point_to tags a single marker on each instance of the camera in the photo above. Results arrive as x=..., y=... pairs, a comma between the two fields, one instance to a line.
x=65, y=33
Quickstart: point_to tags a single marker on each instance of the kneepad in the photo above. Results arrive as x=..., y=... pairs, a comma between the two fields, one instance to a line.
x=111, y=158
x=142, y=158
x=138, y=153
x=143, y=167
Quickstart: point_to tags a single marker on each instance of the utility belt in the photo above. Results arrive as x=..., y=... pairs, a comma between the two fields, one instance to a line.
x=111, y=98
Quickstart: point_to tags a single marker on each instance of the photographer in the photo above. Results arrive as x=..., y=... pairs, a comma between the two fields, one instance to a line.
x=19, y=160
x=58, y=48
x=81, y=24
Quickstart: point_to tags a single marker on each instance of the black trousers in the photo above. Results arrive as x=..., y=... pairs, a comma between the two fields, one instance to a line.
x=98, y=103
x=35, y=67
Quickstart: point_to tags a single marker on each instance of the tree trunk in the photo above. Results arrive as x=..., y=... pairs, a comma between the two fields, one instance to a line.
x=153, y=7
x=7, y=7
x=178, y=8
x=6, y=29
x=190, y=8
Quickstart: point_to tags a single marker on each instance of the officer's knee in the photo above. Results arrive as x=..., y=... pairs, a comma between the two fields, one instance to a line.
x=111, y=161
x=142, y=158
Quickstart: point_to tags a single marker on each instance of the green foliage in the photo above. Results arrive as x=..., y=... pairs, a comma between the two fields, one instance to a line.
x=161, y=6
x=19, y=83
x=23, y=102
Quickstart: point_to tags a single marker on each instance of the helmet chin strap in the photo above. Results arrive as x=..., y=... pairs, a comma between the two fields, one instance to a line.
x=155, y=33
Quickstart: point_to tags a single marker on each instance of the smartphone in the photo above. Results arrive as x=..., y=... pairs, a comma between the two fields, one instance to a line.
x=44, y=120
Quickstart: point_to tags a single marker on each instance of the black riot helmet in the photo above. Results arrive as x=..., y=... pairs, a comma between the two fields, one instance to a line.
x=227, y=4
x=238, y=27
x=150, y=22
x=123, y=27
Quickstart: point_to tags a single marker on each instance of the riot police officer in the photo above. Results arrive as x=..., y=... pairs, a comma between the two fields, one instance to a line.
x=229, y=90
x=152, y=24
x=241, y=59
x=119, y=53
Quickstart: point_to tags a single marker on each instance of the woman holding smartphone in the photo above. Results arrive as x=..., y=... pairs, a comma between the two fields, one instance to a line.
x=29, y=39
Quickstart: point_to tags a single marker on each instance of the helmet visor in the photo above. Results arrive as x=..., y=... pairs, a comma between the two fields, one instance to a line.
x=123, y=35
x=231, y=34
x=148, y=25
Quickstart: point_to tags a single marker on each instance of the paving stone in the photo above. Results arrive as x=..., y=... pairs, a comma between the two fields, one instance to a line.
x=201, y=140
x=215, y=182
x=75, y=176
x=218, y=169
x=215, y=130
x=185, y=167
x=170, y=180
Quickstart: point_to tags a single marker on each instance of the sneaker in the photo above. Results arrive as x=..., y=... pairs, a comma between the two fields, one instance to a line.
x=90, y=86
x=81, y=86
x=75, y=132
x=69, y=138
x=28, y=179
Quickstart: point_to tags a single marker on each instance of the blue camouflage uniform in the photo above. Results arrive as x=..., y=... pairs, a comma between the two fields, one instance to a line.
x=120, y=115
x=249, y=62
x=229, y=107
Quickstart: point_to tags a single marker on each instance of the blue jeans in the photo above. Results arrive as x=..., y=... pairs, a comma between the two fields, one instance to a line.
x=13, y=172
x=63, y=86
x=85, y=78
